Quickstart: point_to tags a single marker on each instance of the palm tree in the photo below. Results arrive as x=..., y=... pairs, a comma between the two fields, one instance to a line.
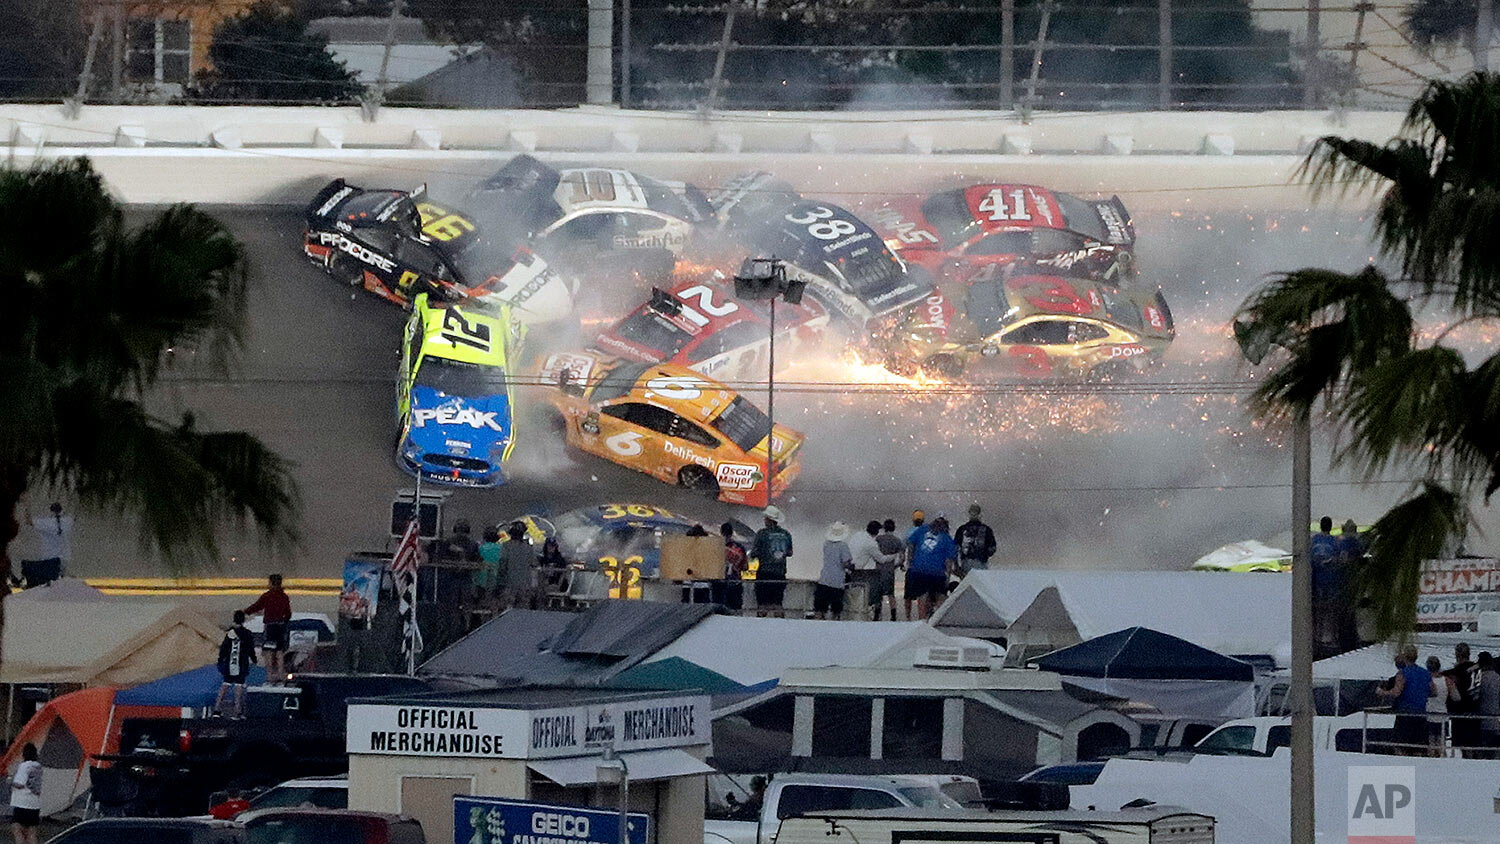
x=1398, y=399
x=94, y=310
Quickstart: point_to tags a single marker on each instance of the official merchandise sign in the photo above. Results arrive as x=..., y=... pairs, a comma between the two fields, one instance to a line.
x=1457, y=591
x=489, y=733
x=487, y=820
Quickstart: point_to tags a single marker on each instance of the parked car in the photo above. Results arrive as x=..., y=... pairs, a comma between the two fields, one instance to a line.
x=1261, y=736
x=288, y=731
x=331, y=826
x=304, y=792
x=1147, y=825
x=789, y=795
x=152, y=831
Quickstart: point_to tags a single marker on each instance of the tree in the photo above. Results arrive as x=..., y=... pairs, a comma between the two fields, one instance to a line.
x=1349, y=340
x=266, y=54
x=94, y=311
x=544, y=41
x=42, y=51
x=1447, y=23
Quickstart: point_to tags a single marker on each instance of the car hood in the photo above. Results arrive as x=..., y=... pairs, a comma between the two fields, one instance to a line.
x=459, y=425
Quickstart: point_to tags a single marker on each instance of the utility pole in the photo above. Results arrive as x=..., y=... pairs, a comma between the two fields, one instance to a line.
x=624, y=53
x=1036, y=59
x=383, y=81
x=1483, y=26
x=117, y=55
x=600, y=83
x=1164, y=58
x=1008, y=53
x=724, y=40
x=1312, y=83
x=1304, y=827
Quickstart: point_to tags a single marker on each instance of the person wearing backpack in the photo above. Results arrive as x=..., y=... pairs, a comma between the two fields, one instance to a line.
x=976, y=543
x=236, y=655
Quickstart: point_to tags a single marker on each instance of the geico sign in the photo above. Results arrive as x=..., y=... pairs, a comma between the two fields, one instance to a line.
x=344, y=244
x=556, y=823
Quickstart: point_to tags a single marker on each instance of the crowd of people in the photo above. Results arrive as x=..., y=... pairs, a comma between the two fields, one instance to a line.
x=1465, y=696
x=1335, y=559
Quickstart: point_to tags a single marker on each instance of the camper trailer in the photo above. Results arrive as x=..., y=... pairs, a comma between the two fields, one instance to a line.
x=1152, y=825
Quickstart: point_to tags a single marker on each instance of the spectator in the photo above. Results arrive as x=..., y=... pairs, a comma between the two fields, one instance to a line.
x=1323, y=551
x=872, y=567
x=1408, y=694
x=276, y=610
x=828, y=594
x=913, y=537
x=1489, y=704
x=487, y=577
x=53, y=535
x=26, y=796
x=236, y=655
x=976, y=543
x=552, y=564
x=935, y=555
x=771, y=549
x=461, y=546
x=891, y=546
x=1351, y=550
x=1463, y=698
x=1437, y=706
x=730, y=592
x=518, y=568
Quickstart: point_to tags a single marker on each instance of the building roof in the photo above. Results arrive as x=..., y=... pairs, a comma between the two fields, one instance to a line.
x=529, y=697
x=567, y=649
x=988, y=600
x=1144, y=654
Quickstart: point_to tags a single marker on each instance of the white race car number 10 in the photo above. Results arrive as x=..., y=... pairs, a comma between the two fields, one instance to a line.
x=626, y=444
x=677, y=387
x=822, y=224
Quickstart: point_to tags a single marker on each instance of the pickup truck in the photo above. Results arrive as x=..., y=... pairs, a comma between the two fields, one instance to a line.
x=1263, y=734
x=1148, y=825
x=288, y=731
x=789, y=795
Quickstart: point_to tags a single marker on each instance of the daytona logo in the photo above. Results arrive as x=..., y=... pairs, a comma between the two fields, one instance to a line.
x=462, y=416
x=344, y=244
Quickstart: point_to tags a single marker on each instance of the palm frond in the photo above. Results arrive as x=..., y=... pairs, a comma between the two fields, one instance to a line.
x=1419, y=528
x=1399, y=406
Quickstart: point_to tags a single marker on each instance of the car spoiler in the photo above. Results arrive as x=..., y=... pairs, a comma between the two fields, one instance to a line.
x=745, y=196
x=327, y=201
x=1116, y=220
x=522, y=174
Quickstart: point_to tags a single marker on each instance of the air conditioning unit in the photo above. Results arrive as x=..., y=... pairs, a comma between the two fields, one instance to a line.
x=1489, y=623
x=953, y=656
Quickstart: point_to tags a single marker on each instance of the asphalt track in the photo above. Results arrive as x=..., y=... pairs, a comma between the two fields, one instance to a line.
x=1151, y=478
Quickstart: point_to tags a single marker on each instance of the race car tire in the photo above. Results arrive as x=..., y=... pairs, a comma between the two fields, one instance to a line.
x=346, y=271
x=698, y=479
x=946, y=366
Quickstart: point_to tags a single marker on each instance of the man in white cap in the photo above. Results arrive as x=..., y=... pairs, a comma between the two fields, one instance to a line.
x=828, y=595
x=772, y=547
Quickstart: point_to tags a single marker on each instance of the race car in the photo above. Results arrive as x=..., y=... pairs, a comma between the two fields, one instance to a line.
x=621, y=540
x=954, y=233
x=700, y=325
x=845, y=262
x=672, y=423
x=592, y=218
x=1037, y=326
x=397, y=244
x=453, y=397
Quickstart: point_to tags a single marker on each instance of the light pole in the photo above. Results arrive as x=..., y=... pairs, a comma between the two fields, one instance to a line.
x=765, y=278
x=607, y=772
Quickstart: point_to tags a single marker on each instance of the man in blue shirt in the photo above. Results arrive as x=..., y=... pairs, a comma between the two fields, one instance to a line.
x=1408, y=693
x=1323, y=554
x=934, y=555
x=918, y=529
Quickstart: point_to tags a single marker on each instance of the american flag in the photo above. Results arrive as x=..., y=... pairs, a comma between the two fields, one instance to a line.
x=404, y=564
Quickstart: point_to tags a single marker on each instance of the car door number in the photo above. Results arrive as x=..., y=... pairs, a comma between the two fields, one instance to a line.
x=626, y=443
x=822, y=224
x=677, y=387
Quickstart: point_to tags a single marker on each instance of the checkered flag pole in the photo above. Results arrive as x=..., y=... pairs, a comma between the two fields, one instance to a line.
x=404, y=570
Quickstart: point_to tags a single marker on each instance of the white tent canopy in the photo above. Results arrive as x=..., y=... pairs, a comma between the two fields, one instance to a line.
x=103, y=642
x=1376, y=662
x=753, y=650
x=1240, y=615
x=987, y=601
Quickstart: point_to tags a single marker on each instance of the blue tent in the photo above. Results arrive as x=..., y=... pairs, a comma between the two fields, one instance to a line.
x=1144, y=654
x=195, y=688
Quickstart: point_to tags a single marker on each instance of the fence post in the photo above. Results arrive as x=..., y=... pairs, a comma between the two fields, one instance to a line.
x=117, y=54
x=1036, y=57
x=1008, y=52
x=96, y=34
x=1356, y=45
x=624, y=53
x=599, y=83
x=1482, y=34
x=1312, y=77
x=713, y=86
x=383, y=81
x=1164, y=69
